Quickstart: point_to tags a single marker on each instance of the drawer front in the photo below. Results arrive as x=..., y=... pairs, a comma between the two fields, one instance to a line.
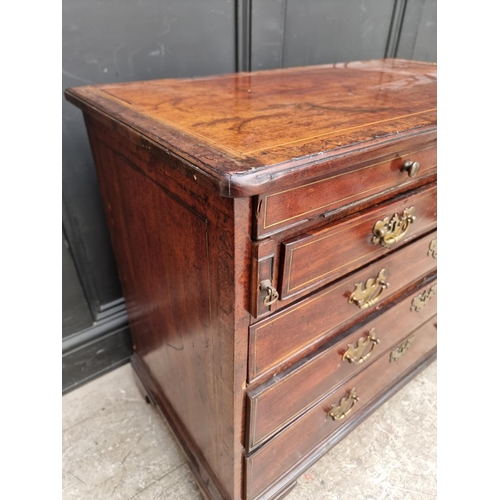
x=278, y=402
x=294, y=443
x=277, y=341
x=321, y=256
x=277, y=211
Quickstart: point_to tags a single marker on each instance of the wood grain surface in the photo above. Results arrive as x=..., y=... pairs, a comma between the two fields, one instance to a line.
x=287, y=208
x=282, y=399
x=293, y=444
x=320, y=256
x=235, y=128
x=277, y=341
x=186, y=304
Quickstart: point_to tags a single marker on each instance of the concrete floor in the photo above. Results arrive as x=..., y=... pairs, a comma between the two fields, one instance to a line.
x=117, y=447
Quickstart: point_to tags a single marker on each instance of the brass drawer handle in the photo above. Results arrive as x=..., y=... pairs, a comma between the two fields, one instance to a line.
x=365, y=295
x=410, y=166
x=356, y=353
x=272, y=294
x=421, y=299
x=344, y=407
x=433, y=249
x=391, y=229
x=397, y=352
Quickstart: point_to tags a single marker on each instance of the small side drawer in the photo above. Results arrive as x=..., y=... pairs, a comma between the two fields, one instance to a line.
x=279, y=340
x=277, y=211
x=287, y=453
x=279, y=401
x=317, y=257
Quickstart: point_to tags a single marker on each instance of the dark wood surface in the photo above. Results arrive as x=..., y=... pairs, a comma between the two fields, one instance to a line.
x=282, y=399
x=154, y=394
x=320, y=256
x=172, y=252
x=178, y=163
x=277, y=341
x=310, y=117
x=298, y=439
x=315, y=252
x=292, y=206
x=314, y=454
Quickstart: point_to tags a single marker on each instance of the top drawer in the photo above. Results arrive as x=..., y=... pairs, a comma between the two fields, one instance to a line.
x=277, y=211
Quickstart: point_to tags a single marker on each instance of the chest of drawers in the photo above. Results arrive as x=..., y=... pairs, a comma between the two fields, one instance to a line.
x=275, y=235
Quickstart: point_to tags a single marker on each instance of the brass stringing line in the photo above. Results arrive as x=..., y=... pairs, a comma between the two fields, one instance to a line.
x=270, y=389
x=255, y=373
x=274, y=318
x=240, y=153
x=336, y=132
x=267, y=391
x=254, y=422
x=299, y=348
x=176, y=126
x=282, y=316
x=334, y=177
x=343, y=199
x=329, y=236
x=346, y=173
x=188, y=129
x=331, y=270
x=283, y=424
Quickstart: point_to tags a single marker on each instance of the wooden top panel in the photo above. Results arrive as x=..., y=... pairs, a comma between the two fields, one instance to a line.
x=239, y=124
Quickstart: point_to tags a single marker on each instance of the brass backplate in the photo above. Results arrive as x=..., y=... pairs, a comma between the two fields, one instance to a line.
x=396, y=353
x=423, y=298
x=365, y=295
x=390, y=230
x=360, y=352
x=344, y=406
x=433, y=248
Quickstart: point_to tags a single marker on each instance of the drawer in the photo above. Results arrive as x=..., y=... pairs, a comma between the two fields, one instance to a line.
x=283, y=209
x=295, y=444
x=277, y=341
x=317, y=257
x=272, y=406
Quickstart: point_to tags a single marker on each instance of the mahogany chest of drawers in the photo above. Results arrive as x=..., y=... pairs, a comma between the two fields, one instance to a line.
x=275, y=234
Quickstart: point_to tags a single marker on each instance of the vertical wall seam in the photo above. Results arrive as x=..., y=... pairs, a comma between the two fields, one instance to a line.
x=283, y=32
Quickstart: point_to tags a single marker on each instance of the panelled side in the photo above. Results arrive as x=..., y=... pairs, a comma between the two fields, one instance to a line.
x=175, y=245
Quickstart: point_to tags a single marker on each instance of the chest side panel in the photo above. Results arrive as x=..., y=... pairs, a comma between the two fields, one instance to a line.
x=175, y=251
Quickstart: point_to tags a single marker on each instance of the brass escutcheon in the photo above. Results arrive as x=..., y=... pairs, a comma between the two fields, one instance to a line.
x=272, y=294
x=422, y=298
x=344, y=407
x=433, y=248
x=396, y=353
x=365, y=295
x=391, y=229
x=358, y=353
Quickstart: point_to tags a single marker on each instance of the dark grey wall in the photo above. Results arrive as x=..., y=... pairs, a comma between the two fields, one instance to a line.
x=288, y=33
x=300, y=32
x=76, y=314
x=418, y=31
x=125, y=40
x=116, y=41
